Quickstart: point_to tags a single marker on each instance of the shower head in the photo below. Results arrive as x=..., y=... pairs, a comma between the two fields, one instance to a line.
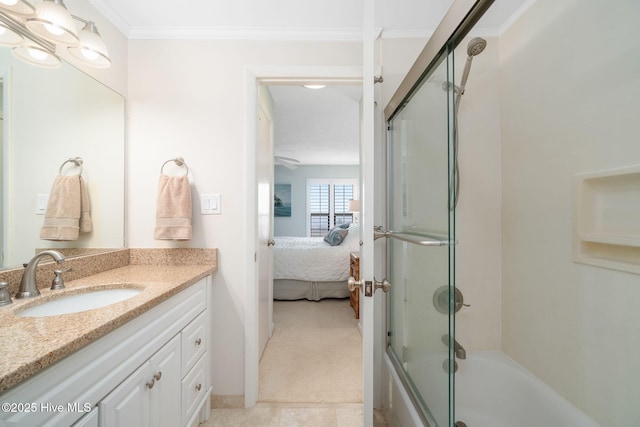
x=476, y=46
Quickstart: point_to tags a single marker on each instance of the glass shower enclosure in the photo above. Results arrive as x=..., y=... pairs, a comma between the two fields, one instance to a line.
x=422, y=192
x=421, y=253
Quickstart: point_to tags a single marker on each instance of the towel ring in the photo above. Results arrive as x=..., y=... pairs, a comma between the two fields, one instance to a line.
x=178, y=161
x=77, y=161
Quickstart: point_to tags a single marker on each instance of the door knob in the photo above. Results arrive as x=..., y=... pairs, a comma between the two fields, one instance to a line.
x=352, y=283
x=384, y=285
x=271, y=242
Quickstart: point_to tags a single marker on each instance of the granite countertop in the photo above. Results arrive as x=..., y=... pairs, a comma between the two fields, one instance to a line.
x=30, y=344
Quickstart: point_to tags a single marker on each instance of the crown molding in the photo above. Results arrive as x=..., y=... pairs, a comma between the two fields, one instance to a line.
x=245, y=33
x=111, y=16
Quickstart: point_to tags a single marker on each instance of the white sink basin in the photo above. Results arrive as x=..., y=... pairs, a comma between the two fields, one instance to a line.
x=79, y=302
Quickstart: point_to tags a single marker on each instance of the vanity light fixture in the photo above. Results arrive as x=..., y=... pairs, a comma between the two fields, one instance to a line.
x=8, y=37
x=18, y=7
x=37, y=55
x=53, y=22
x=48, y=28
x=92, y=50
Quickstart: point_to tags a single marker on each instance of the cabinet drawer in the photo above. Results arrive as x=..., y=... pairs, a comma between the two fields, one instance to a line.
x=194, y=342
x=194, y=386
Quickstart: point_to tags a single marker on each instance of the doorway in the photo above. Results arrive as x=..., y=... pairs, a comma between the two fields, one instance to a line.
x=315, y=352
x=257, y=78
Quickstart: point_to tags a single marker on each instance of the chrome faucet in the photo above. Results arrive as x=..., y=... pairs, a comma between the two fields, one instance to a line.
x=459, y=351
x=28, y=284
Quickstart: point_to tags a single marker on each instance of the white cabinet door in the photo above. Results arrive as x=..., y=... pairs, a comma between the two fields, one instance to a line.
x=151, y=396
x=165, y=396
x=128, y=404
x=88, y=420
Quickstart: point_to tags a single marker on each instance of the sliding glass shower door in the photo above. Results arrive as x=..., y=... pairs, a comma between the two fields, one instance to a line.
x=421, y=250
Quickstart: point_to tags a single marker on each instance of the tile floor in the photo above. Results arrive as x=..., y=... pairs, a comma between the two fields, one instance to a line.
x=292, y=415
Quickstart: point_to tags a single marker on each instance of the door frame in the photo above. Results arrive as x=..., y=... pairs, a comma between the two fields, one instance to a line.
x=254, y=77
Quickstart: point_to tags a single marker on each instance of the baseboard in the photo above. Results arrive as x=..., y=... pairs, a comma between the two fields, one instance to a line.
x=219, y=401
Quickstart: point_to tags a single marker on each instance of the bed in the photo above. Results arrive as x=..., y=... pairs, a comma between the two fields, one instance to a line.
x=310, y=268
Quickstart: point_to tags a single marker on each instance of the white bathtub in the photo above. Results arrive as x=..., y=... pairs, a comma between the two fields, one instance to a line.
x=494, y=391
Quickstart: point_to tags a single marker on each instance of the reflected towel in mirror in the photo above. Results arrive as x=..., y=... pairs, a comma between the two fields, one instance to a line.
x=68, y=210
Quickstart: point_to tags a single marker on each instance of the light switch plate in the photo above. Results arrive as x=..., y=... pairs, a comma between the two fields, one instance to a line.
x=41, y=203
x=210, y=204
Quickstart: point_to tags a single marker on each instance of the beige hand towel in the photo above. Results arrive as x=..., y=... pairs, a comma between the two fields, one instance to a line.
x=68, y=210
x=173, y=208
x=86, y=225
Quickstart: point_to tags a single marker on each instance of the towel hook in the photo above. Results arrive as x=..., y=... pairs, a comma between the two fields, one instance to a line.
x=77, y=161
x=178, y=161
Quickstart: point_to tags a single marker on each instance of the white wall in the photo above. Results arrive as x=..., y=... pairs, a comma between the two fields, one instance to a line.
x=296, y=225
x=569, y=100
x=478, y=214
x=187, y=98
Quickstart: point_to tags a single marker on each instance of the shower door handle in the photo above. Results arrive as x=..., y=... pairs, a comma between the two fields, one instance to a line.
x=414, y=237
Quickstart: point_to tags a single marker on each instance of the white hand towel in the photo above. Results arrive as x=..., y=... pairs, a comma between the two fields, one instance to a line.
x=173, y=208
x=68, y=210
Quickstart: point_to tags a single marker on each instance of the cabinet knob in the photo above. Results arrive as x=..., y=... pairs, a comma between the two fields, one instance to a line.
x=199, y=341
x=198, y=387
x=158, y=376
x=151, y=384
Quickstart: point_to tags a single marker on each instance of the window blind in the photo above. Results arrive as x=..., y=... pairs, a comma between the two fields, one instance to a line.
x=328, y=206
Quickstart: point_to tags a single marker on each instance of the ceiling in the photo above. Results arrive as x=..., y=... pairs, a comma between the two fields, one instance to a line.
x=317, y=126
x=314, y=127
x=283, y=18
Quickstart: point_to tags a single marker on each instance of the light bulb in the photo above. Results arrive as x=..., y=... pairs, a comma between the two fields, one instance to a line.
x=91, y=51
x=37, y=54
x=9, y=2
x=89, y=54
x=54, y=29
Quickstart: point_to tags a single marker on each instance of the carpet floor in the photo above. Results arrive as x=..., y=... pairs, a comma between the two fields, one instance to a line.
x=314, y=355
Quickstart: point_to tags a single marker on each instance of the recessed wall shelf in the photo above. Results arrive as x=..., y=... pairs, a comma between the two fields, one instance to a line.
x=606, y=218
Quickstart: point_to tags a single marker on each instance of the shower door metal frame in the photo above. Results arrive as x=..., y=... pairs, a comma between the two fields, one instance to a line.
x=455, y=25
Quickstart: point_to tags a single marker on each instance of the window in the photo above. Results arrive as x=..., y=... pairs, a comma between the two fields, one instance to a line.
x=328, y=204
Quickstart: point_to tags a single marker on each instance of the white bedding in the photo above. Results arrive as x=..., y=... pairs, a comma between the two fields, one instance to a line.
x=313, y=259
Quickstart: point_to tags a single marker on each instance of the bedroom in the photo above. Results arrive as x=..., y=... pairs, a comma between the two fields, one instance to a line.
x=316, y=155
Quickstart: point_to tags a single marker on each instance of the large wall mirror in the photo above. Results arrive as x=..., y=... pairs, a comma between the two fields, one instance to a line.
x=49, y=116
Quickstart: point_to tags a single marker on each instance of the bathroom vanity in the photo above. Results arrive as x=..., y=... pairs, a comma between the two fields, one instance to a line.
x=143, y=361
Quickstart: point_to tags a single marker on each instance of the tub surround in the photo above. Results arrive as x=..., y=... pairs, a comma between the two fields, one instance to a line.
x=32, y=344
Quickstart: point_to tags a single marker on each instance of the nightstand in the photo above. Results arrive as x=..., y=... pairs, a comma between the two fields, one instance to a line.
x=354, y=271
